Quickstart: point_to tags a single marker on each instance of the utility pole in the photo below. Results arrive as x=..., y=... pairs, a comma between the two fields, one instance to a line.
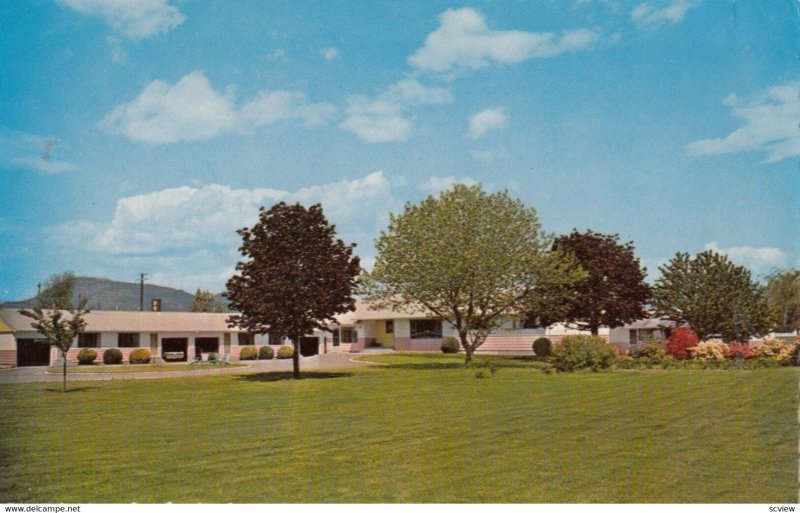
x=141, y=291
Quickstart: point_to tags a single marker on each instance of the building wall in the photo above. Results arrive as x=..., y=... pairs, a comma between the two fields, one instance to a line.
x=8, y=349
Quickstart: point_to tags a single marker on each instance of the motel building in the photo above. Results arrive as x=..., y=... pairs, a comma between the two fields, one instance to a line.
x=189, y=336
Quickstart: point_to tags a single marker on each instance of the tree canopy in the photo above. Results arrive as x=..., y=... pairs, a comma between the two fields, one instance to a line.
x=783, y=296
x=296, y=276
x=57, y=291
x=204, y=301
x=470, y=258
x=614, y=292
x=59, y=329
x=713, y=296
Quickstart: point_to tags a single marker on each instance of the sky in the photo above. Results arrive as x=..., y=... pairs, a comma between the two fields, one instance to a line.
x=136, y=136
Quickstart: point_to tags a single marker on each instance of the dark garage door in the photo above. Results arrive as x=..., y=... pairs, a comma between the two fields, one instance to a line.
x=31, y=353
x=174, y=349
x=309, y=346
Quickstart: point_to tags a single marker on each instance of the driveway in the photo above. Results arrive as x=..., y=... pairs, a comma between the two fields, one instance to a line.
x=48, y=374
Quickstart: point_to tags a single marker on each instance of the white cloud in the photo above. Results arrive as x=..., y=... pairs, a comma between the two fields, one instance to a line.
x=758, y=260
x=118, y=53
x=769, y=123
x=31, y=151
x=490, y=119
x=464, y=42
x=186, y=236
x=383, y=119
x=437, y=184
x=330, y=53
x=192, y=110
x=278, y=54
x=136, y=19
x=646, y=15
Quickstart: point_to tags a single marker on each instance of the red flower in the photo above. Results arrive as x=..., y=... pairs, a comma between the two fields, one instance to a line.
x=679, y=342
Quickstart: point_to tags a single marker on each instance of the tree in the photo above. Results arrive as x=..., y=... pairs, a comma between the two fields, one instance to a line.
x=58, y=292
x=470, y=258
x=58, y=328
x=615, y=292
x=204, y=301
x=713, y=296
x=783, y=296
x=297, y=275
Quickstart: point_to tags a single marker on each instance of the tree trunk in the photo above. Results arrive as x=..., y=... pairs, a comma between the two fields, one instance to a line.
x=296, y=358
x=595, y=329
x=64, y=358
x=462, y=335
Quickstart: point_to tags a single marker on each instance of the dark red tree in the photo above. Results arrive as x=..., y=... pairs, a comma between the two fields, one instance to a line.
x=679, y=342
x=296, y=277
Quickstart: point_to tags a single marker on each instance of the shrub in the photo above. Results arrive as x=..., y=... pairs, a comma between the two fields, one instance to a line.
x=112, y=356
x=248, y=353
x=542, y=347
x=739, y=350
x=651, y=351
x=265, y=353
x=679, y=343
x=774, y=349
x=714, y=349
x=449, y=345
x=583, y=352
x=285, y=352
x=139, y=356
x=86, y=356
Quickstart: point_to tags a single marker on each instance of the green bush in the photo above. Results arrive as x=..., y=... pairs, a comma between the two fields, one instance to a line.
x=583, y=352
x=248, y=353
x=112, y=356
x=86, y=356
x=140, y=355
x=542, y=347
x=265, y=353
x=651, y=350
x=285, y=352
x=449, y=345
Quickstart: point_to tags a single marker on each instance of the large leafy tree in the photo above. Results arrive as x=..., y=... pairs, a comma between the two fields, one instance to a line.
x=57, y=292
x=296, y=277
x=470, y=258
x=204, y=301
x=60, y=328
x=615, y=292
x=783, y=296
x=713, y=296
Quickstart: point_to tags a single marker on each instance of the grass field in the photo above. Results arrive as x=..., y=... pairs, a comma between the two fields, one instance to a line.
x=421, y=429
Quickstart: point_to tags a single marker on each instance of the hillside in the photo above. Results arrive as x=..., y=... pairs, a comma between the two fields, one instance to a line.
x=107, y=294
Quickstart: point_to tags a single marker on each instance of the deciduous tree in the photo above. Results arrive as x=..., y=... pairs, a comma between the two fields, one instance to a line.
x=296, y=277
x=204, y=301
x=57, y=292
x=713, y=296
x=614, y=293
x=470, y=258
x=783, y=296
x=60, y=328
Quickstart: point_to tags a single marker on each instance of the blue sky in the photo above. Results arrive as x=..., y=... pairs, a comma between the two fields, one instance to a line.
x=136, y=136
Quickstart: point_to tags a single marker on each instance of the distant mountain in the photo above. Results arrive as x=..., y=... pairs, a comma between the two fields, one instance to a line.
x=106, y=294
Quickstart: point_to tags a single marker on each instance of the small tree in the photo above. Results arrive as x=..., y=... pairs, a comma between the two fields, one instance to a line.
x=297, y=275
x=713, y=296
x=58, y=292
x=614, y=293
x=59, y=329
x=783, y=296
x=470, y=258
x=204, y=301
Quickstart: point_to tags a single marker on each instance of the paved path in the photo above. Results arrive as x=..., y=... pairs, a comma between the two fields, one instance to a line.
x=53, y=374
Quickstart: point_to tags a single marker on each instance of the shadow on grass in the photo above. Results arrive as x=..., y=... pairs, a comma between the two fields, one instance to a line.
x=477, y=364
x=69, y=389
x=287, y=375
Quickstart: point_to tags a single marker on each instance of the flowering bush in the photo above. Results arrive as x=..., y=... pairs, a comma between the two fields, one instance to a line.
x=713, y=349
x=776, y=349
x=652, y=350
x=739, y=350
x=679, y=343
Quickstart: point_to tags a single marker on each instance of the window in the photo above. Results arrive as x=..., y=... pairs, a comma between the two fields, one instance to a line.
x=335, y=334
x=389, y=327
x=275, y=340
x=89, y=340
x=633, y=339
x=530, y=323
x=128, y=340
x=247, y=339
x=426, y=328
x=349, y=336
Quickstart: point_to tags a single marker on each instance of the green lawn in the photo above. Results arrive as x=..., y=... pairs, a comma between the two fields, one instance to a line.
x=422, y=429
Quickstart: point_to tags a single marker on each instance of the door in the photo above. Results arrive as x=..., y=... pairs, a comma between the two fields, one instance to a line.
x=309, y=346
x=31, y=353
x=174, y=349
x=206, y=345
